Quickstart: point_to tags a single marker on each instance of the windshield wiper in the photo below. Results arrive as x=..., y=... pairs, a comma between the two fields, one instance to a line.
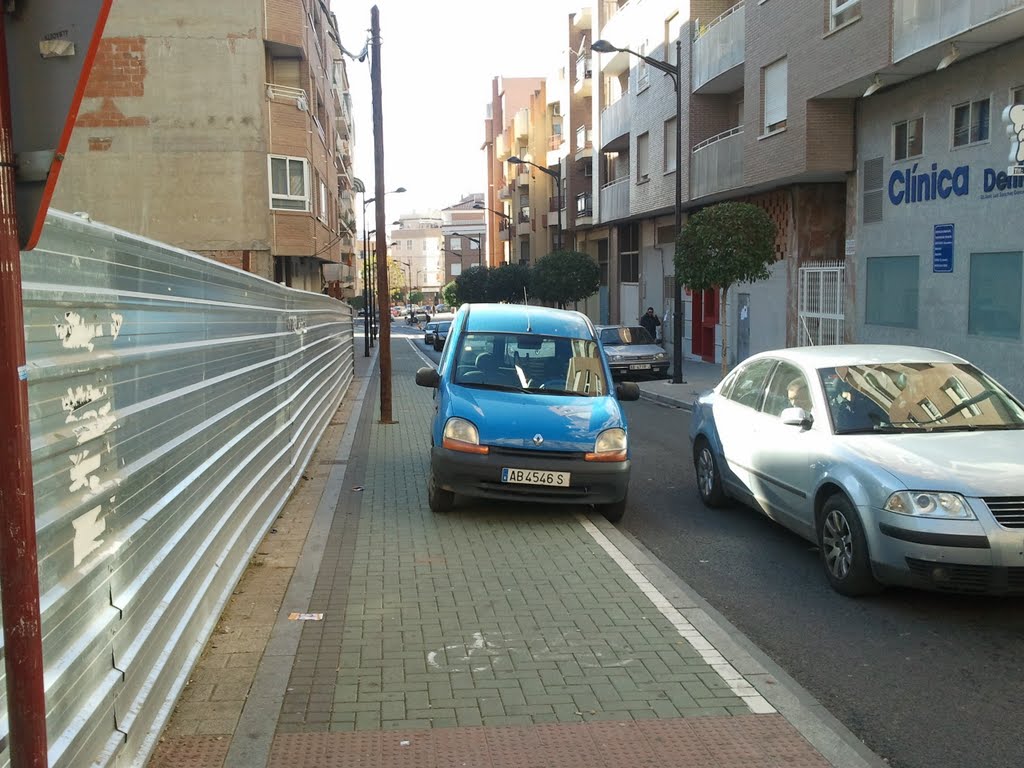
x=885, y=429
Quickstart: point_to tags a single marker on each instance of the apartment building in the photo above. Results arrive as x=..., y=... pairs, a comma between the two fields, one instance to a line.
x=464, y=233
x=416, y=245
x=225, y=130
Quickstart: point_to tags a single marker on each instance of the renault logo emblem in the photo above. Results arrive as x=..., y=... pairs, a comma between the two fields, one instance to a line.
x=538, y=439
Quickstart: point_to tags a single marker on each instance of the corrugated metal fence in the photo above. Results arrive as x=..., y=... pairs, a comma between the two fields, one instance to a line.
x=174, y=403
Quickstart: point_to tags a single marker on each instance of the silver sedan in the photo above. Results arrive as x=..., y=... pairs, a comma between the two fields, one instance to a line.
x=904, y=465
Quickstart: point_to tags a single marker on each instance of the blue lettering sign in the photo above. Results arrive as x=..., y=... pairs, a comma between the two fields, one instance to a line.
x=910, y=186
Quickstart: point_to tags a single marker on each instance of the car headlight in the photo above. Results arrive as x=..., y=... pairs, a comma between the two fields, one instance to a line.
x=609, y=446
x=660, y=356
x=950, y=506
x=462, y=435
x=615, y=358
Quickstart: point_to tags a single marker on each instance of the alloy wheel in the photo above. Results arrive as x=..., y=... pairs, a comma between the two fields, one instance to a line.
x=706, y=472
x=837, y=542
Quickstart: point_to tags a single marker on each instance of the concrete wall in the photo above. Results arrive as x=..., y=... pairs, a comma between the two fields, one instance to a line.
x=985, y=219
x=169, y=140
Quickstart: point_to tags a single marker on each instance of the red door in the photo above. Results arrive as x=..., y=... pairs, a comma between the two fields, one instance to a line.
x=704, y=320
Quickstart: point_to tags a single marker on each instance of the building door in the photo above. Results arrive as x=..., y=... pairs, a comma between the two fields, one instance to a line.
x=704, y=319
x=629, y=274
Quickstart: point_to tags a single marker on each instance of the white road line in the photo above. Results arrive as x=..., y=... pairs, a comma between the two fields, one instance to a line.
x=739, y=685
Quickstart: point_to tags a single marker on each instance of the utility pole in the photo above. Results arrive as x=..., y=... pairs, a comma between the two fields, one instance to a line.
x=383, y=295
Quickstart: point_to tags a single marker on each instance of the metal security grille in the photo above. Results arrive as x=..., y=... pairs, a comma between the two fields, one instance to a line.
x=821, y=303
x=174, y=403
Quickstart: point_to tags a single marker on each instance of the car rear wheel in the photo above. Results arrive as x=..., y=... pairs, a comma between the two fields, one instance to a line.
x=612, y=512
x=844, y=549
x=439, y=500
x=709, y=479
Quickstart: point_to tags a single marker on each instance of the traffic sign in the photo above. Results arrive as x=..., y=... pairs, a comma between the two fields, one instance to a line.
x=51, y=45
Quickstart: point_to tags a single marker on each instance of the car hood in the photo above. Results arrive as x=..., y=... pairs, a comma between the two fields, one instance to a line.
x=971, y=463
x=633, y=350
x=512, y=419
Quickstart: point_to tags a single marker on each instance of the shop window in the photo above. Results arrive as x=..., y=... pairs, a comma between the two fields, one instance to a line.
x=908, y=139
x=774, y=85
x=970, y=123
x=994, y=307
x=892, y=290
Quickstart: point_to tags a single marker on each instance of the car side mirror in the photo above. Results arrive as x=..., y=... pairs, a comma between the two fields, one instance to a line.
x=627, y=390
x=427, y=376
x=796, y=417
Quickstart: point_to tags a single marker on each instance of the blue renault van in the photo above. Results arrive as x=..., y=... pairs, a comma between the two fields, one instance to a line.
x=526, y=410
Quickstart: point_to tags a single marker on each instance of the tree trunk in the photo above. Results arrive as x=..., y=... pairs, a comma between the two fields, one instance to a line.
x=724, y=311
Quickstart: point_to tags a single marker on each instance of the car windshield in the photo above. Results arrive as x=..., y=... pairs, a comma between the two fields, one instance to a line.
x=531, y=363
x=629, y=335
x=443, y=326
x=917, y=397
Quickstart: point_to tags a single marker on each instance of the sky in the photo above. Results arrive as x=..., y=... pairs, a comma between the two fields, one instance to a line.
x=438, y=59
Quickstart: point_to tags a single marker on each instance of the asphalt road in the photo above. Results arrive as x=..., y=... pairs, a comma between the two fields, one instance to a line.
x=925, y=680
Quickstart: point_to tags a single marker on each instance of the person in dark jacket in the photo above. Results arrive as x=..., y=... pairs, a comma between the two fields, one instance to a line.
x=651, y=322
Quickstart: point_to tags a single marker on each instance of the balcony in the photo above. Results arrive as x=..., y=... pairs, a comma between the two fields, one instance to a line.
x=615, y=124
x=584, y=208
x=504, y=193
x=584, y=143
x=581, y=16
x=584, y=77
x=556, y=149
x=717, y=164
x=918, y=25
x=524, y=215
x=614, y=200
x=718, y=53
x=521, y=124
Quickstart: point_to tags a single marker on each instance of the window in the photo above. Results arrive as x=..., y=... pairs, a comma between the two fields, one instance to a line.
x=456, y=270
x=643, y=142
x=788, y=389
x=1017, y=95
x=669, y=150
x=994, y=307
x=774, y=78
x=842, y=11
x=643, y=75
x=629, y=267
x=473, y=245
x=322, y=212
x=892, y=291
x=289, y=183
x=408, y=245
x=673, y=27
x=456, y=243
x=908, y=139
x=970, y=123
x=748, y=384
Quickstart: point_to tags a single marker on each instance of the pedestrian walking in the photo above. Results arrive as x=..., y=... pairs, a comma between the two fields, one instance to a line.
x=651, y=322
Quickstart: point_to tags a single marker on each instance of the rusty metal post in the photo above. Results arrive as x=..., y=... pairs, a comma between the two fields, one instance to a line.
x=19, y=567
x=383, y=297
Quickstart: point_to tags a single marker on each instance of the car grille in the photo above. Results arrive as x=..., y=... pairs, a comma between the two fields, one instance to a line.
x=1008, y=510
x=527, y=453
x=972, y=579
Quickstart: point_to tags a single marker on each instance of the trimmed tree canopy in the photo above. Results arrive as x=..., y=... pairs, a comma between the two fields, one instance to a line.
x=450, y=294
x=471, y=285
x=725, y=244
x=563, y=277
x=507, y=283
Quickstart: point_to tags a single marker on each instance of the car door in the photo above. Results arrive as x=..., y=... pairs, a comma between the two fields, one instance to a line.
x=733, y=412
x=783, y=456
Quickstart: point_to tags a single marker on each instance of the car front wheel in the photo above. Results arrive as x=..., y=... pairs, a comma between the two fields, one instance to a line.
x=844, y=549
x=438, y=499
x=709, y=479
x=612, y=512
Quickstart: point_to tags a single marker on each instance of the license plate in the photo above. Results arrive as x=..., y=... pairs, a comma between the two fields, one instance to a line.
x=534, y=477
x=640, y=367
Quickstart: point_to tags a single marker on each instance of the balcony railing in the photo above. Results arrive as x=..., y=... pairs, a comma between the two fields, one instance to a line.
x=918, y=24
x=719, y=46
x=615, y=120
x=286, y=93
x=555, y=141
x=717, y=163
x=614, y=197
x=584, y=204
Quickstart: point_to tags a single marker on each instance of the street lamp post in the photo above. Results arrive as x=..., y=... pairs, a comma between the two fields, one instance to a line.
x=369, y=324
x=479, y=247
x=503, y=215
x=676, y=73
x=557, y=176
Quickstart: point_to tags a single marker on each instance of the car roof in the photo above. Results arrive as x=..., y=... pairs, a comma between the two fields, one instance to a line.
x=858, y=354
x=520, y=318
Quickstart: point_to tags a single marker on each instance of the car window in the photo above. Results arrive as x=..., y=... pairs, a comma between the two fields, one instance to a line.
x=626, y=335
x=788, y=389
x=532, y=362
x=919, y=397
x=748, y=386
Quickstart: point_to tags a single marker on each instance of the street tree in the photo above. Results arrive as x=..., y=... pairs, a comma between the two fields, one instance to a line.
x=471, y=285
x=725, y=245
x=563, y=277
x=508, y=283
x=450, y=294
x=416, y=297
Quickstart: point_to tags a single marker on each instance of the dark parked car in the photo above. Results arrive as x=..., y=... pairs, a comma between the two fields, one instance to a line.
x=428, y=332
x=441, y=334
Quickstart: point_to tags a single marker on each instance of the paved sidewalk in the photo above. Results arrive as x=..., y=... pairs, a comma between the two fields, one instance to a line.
x=497, y=635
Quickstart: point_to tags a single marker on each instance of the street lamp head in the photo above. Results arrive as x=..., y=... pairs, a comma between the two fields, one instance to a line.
x=515, y=160
x=603, y=46
x=400, y=189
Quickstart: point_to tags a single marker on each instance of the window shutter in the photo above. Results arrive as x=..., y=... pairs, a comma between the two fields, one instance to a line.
x=873, y=191
x=775, y=76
